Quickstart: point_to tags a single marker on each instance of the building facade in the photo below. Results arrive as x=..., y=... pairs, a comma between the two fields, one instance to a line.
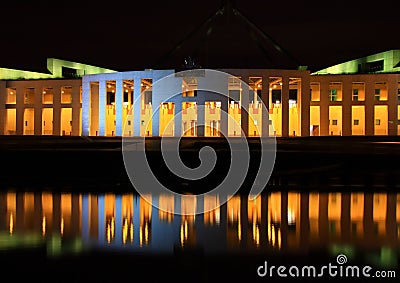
x=359, y=97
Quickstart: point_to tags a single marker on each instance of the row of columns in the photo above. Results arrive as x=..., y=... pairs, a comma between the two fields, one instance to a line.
x=20, y=106
x=210, y=89
x=369, y=103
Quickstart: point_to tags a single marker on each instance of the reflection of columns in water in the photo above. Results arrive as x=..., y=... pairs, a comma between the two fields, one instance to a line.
x=345, y=226
x=368, y=217
x=211, y=210
x=254, y=218
x=274, y=220
x=56, y=214
x=233, y=219
x=304, y=229
x=166, y=207
x=243, y=219
x=391, y=227
x=145, y=220
x=85, y=217
x=187, y=232
x=323, y=218
x=3, y=212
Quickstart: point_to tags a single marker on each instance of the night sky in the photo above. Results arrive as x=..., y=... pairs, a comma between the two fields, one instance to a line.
x=136, y=35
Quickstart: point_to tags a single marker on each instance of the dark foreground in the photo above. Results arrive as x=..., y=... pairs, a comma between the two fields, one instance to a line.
x=97, y=162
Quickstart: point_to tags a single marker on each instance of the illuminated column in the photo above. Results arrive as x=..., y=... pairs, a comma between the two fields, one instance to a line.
x=285, y=106
x=244, y=104
x=38, y=112
x=324, y=107
x=345, y=221
x=224, y=112
x=305, y=106
x=56, y=221
x=102, y=107
x=265, y=100
x=101, y=219
x=178, y=116
x=20, y=110
x=200, y=114
x=346, y=107
x=118, y=219
x=369, y=107
x=392, y=105
x=136, y=105
x=76, y=109
x=56, y=110
x=118, y=107
x=85, y=106
x=3, y=93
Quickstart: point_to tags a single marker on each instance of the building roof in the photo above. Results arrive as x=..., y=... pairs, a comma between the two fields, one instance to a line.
x=383, y=62
x=57, y=69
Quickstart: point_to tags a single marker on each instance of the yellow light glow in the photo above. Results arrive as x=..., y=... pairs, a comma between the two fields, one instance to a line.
x=11, y=224
x=62, y=226
x=44, y=225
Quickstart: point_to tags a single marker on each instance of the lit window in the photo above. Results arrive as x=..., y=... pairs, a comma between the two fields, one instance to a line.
x=332, y=94
x=355, y=94
x=377, y=94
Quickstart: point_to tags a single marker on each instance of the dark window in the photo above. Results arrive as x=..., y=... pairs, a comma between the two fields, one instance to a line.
x=378, y=122
x=356, y=122
x=334, y=122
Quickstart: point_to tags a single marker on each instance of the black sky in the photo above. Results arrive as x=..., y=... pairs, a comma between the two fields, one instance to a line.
x=134, y=35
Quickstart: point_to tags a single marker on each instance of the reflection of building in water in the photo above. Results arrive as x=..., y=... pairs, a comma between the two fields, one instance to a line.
x=166, y=208
x=187, y=232
x=234, y=227
x=279, y=220
x=212, y=210
x=145, y=220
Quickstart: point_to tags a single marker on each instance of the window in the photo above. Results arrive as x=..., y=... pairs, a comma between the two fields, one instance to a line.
x=355, y=94
x=333, y=94
x=398, y=94
x=377, y=94
x=356, y=122
x=377, y=122
x=334, y=122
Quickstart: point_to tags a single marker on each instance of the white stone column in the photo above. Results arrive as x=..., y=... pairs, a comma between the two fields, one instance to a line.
x=244, y=104
x=118, y=106
x=56, y=110
x=102, y=107
x=85, y=106
x=76, y=109
x=136, y=105
x=265, y=98
x=20, y=107
x=285, y=106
